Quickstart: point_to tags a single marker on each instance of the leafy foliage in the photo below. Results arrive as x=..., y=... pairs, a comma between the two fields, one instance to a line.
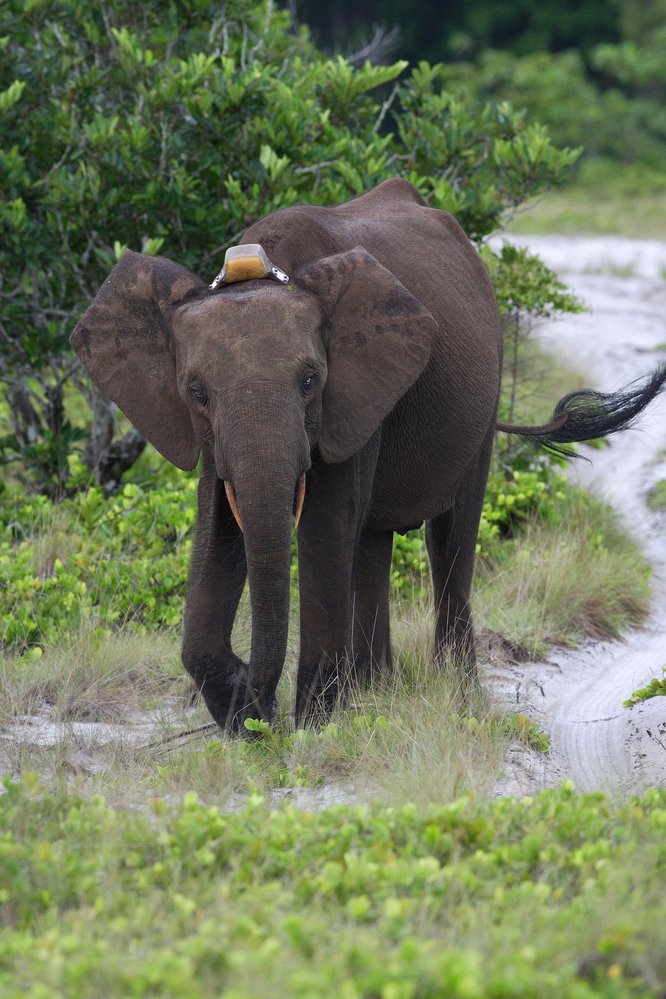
x=171, y=128
x=141, y=538
x=474, y=160
x=524, y=285
x=655, y=688
x=611, y=102
x=391, y=902
x=594, y=73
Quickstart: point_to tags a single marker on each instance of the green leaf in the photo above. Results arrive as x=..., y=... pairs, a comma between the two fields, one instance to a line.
x=11, y=96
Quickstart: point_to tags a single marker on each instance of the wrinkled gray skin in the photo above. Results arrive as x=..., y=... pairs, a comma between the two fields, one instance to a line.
x=376, y=371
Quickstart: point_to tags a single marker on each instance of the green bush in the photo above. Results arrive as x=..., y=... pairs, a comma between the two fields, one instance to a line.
x=611, y=102
x=114, y=560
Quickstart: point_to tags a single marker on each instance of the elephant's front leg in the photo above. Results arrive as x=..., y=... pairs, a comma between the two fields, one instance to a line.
x=336, y=505
x=217, y=577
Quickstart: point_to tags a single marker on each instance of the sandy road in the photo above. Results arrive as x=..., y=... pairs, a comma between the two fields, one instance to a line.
x=577, y=696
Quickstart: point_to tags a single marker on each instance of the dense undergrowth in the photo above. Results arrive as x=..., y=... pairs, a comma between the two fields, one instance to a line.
x=553, y=896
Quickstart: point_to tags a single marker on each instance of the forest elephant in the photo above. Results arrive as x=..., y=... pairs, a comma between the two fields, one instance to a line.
x=344, y=367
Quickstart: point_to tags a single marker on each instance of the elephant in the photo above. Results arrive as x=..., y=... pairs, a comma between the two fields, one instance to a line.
x=344, y=367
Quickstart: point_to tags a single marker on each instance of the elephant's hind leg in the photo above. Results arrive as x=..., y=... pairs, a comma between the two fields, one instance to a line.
x=451, y=544
x=371, y=641
x=451, y=566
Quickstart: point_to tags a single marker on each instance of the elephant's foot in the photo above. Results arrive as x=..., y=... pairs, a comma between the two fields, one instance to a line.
x=318, y=695
x=233, y=706
x=370, y=665
x=457, y=656
x=224, y=689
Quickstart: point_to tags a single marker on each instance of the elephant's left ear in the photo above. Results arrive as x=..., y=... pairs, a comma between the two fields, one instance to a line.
x=380, y=337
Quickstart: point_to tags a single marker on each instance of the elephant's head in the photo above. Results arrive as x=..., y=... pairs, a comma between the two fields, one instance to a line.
x=261, y=373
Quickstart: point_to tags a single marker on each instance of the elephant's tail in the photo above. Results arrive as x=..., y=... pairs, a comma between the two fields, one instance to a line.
x=587, y=415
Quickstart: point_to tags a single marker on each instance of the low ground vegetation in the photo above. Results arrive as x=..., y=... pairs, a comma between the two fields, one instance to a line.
x=552, y=896
x=655, y=688
x=657, y=497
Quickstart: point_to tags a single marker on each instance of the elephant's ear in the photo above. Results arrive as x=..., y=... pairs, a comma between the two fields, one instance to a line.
x=380, y=337
x=124, y=343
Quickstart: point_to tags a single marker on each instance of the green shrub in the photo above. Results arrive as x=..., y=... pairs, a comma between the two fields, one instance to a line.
x=126, y=560
x=610, y=102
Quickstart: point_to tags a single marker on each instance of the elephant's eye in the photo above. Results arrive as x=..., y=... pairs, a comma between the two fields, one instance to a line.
x=199, y=392
x=308, y=378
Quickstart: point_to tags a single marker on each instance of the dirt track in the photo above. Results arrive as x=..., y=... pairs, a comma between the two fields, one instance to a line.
x=577, y=696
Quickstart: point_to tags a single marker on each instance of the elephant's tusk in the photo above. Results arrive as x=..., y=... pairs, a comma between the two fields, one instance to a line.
x=231, y=496
x=300, y=496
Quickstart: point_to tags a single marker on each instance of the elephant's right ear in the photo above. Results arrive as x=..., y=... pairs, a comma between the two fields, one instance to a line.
x=123, y=341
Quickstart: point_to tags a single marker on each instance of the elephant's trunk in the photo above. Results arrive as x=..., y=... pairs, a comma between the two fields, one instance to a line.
x=264, y=508
x=262, y=452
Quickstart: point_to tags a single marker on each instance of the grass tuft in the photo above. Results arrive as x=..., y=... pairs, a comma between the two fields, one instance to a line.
x=584, y=578
x=92, y=675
